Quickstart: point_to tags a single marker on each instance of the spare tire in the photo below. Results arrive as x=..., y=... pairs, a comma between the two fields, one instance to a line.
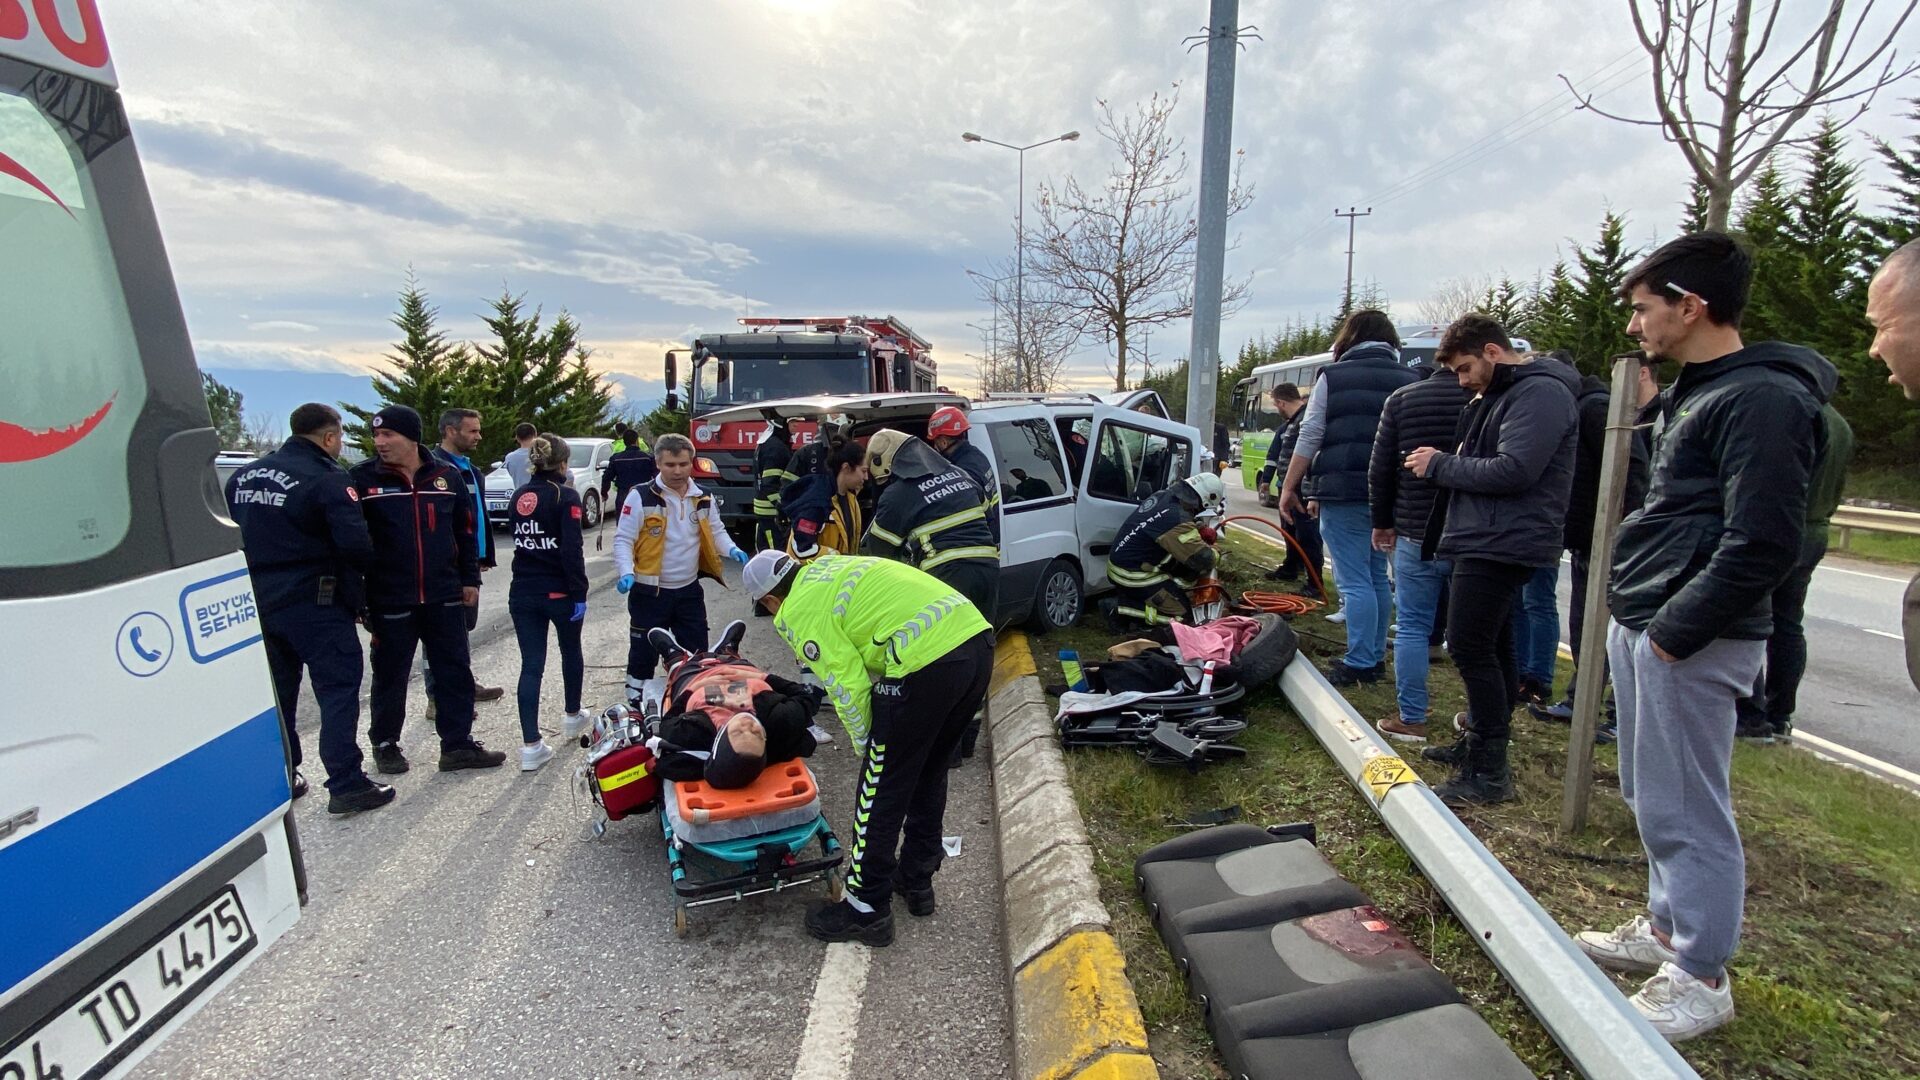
x=1263, y=659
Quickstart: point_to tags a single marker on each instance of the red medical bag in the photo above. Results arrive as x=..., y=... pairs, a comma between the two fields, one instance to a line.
x=625, y=782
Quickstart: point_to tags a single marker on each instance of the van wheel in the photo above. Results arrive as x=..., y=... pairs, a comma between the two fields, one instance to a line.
x=591, y=517
x=1062, y=599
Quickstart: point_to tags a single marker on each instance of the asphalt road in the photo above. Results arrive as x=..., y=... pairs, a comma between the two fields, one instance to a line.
x=476, y=928
x=1856, y=693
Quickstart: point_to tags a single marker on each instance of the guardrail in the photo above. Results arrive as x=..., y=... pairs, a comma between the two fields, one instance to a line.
x=1847, y=519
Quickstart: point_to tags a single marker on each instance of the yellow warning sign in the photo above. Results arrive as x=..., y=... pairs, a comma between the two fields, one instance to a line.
x=1383, y=774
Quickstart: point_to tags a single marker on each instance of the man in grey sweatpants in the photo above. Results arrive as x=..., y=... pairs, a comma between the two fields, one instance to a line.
x=1693, y=573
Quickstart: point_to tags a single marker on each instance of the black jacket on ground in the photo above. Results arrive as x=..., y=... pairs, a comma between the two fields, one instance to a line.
x=549, y=541
x=1726, y=506
x=300, y=521
x=1357, y=386
x=1425, y=413
x=1504, y=494
x=423, y=533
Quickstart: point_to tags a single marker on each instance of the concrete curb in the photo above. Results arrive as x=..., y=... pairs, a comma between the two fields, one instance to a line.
x=1074, y=1011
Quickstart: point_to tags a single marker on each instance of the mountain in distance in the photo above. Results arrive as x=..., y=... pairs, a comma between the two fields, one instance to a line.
x=272, y=394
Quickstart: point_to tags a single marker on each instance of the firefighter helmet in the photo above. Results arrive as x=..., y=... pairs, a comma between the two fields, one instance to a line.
x=881, y=449
x=946, y=420
x=1213, y=493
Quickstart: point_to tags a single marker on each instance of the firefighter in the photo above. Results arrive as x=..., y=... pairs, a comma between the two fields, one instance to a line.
x=947, y=432
x=425, y=574
x=905, y=661
x=1160, y=551
x=812, y=458
x=931, y=514
x=770, y=475
x=823, y=510
x=306, y=544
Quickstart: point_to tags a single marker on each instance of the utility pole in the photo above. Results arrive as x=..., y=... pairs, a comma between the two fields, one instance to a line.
x=1210, y=245
x=1350, y=215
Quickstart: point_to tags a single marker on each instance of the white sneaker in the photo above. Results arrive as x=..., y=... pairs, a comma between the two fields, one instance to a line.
x=1338, y=616
x=820, y=736
x=532, y=757
x=1682, y=1007
x=1630, y=946
x=575, y=725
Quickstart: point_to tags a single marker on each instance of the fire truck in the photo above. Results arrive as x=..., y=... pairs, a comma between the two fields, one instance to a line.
x=781, y=357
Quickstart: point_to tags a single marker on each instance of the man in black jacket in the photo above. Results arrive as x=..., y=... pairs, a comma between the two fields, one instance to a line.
x=459, y=437
x=306, y=544
x=425, y=575
x=1306, y=548
x=770, y=475
x=1693, y=573
x=1500, y=515
x=1426, y=413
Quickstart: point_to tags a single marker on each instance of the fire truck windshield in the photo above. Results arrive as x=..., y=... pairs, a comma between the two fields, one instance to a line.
x=750, y=380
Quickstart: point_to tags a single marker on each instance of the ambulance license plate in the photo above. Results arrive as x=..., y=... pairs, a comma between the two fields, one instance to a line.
x=105, y=1023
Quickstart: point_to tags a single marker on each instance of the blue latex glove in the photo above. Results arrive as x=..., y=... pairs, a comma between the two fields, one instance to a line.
x=579, y=612
x=625, y=584
x=740, y=556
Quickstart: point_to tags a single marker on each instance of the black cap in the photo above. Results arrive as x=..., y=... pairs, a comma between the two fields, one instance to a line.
x=398, y=418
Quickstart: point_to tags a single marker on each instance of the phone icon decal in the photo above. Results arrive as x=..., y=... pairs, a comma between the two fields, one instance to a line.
x=144, y=644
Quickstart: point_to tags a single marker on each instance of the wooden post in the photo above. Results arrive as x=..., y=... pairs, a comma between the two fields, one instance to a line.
x=1591, y=664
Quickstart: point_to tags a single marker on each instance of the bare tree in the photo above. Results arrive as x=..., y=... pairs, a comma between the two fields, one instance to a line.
x=1120, y=255
x=263, y=432
x=1454, y=297
x=1052, y=329
x=1724, y=109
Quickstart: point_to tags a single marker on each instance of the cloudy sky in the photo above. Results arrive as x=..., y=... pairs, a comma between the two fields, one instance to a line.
x=660, y=168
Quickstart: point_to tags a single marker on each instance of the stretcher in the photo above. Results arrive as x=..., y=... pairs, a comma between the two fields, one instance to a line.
x=727, y=845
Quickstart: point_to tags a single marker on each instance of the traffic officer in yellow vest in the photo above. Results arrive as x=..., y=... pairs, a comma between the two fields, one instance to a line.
x=905, y=660
x=1160, y=551
x=670, y=536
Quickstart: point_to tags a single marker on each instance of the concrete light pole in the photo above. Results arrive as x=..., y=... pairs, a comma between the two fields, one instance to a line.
x=1210, y=244
x=1020, y=247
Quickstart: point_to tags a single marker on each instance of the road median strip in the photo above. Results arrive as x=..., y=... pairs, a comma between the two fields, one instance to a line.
x=1074, y=1010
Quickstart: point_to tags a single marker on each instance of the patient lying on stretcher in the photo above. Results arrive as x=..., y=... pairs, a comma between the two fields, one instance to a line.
x=726, y=720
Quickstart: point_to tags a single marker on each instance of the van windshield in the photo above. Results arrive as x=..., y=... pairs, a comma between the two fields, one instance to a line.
x=71, y=380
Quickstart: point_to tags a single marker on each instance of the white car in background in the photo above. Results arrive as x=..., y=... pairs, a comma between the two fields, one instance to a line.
x=588, y=463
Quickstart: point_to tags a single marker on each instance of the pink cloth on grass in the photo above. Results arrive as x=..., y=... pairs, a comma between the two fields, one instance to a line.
x=1220, y=640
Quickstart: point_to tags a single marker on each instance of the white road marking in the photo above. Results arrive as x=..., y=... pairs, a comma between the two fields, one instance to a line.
x=1881, y=633
x=833, y=1019
x=1863, y=573
x=1854, y=757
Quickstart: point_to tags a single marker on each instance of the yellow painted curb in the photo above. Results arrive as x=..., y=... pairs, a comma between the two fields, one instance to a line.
x=1120, y=1067
x=1072, y=1005
x=1012, y=658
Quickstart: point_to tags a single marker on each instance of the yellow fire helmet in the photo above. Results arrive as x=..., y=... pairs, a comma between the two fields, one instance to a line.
x=881, y=449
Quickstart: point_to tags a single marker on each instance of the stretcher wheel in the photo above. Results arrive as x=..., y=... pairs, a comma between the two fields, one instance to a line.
x=836, y=886
x=680, y=921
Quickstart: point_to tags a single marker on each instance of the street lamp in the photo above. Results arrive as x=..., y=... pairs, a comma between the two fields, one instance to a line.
x=1020, y=245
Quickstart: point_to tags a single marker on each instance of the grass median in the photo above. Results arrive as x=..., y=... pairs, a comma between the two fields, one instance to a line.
x=1827, y=980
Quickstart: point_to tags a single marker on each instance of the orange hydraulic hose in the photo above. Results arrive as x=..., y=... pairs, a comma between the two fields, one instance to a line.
x=1281, y=603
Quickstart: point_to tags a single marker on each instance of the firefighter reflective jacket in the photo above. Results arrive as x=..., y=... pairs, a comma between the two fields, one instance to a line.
x=854, y=619
x=930, y=513
x=770, y=470
x=1157, y=542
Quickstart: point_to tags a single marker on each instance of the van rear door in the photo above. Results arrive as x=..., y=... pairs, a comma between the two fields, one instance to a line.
x=1130, y=457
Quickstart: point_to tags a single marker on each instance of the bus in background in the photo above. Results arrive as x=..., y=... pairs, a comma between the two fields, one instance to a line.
x=1258, y=419
x=147, y=854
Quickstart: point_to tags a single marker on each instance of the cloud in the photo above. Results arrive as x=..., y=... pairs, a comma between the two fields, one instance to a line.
x=247, y=355
x=270, y=325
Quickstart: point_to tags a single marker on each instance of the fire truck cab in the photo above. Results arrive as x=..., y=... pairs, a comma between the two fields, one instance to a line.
x=777, y=358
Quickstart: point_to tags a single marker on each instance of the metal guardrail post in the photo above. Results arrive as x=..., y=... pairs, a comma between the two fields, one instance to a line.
x=1580, y=1007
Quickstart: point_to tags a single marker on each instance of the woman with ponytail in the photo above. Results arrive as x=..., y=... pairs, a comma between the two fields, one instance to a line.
x=549, y=589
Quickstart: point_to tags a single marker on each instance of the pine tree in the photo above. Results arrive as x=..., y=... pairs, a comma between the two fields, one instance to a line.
x=223, y=406
x=1901, y=222
x=1693, y=212
x=1552, y=301
x=1513, y=305
x=1763, y=220
x=427, y=368
x=526, y=375
x=1596, y=315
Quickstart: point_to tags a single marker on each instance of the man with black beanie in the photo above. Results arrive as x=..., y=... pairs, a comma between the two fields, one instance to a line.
x=424, y=576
